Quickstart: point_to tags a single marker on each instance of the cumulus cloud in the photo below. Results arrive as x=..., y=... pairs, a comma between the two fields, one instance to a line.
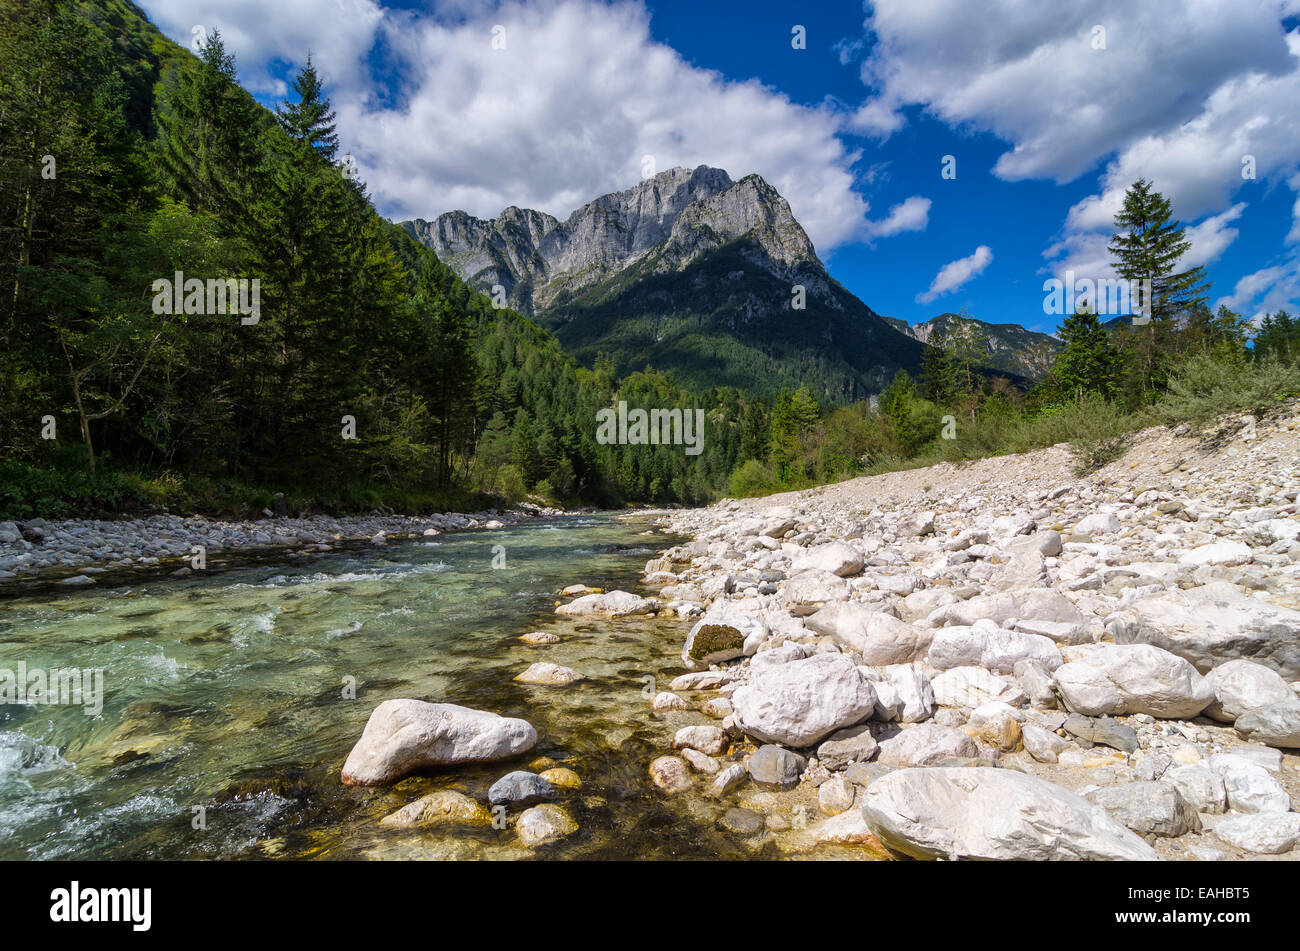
x=1266, y=291
x=911, y=215
x=570, y=109
x=956, y=273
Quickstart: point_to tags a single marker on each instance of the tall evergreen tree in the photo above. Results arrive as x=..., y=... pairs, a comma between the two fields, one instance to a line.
x=1147, y=246
x=1089, y=363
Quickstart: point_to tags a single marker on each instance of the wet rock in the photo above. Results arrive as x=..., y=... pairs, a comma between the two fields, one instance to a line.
x=561, y=777
x=544, y=824
x=665, y=702
x=540, y=637
x=728, y=778
x=548, y=675
x=402, y=736
x=520, y=787
x=742, y=822
x=445, y=807
x=711, y=740
x=671, y=774
x=775, y=766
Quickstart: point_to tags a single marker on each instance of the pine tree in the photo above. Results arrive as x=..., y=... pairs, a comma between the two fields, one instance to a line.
x=310, y=120
x=1088, y=363
x=938, y=375
x=1147, y=246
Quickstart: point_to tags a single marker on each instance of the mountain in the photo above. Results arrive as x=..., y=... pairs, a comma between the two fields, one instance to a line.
x=686, y=271
x=1012, y=349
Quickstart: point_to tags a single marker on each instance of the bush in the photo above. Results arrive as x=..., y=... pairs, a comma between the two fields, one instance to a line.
x=753, y=478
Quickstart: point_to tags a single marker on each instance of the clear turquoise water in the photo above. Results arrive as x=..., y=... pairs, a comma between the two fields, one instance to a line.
x=226, y=691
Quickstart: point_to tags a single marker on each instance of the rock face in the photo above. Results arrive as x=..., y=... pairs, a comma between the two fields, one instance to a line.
x=1208, y=626
x=800, y=703
x=998, y=814
x=402, y=736
x=651, y=247
x=1138, y=678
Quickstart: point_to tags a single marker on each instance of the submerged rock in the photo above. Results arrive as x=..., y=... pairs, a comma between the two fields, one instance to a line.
x=445, y=807
x=544, y=824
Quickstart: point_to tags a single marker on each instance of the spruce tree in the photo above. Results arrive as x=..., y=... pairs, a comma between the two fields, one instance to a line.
x=1147, y=246
x=1089, y=363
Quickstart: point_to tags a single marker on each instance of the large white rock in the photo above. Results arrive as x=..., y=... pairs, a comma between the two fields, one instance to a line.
x=1249, y=786
x=1218, y=553
x=799, y=703
x=1098, y=523
x=913, y=691
x=1269, y=833
x=925, y=744
x=986, y=645
x=402, y=736
x=973, y=687
x=1134, y=678
x=1243, y=685
x=1273, y=724
x=725, y=632
x=836, y=557
x=1211, y=624
x=1199, y=785
x=807, y=591
x=998, y=814
x=880, y=639
x=1043, y=604
x=609, y=604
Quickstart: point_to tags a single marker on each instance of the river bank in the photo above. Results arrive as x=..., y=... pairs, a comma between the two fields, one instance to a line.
x=1002, y=659
x=38, y=554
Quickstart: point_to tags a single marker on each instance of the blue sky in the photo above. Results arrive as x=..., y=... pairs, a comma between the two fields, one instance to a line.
x=1049, y=110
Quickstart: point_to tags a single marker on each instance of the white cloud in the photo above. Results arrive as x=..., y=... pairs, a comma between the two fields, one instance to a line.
x=1266, y=291
x=956, y=273
x=566, y=112
x=912, y=215
x=1211, y=237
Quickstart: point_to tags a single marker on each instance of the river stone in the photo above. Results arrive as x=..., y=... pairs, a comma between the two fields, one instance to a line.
x=405, y=735
x=1133, y=678
x=743, y=822
x=1035, y=680
x=925, y=744
x=1103, y=731
x=520, y=787
x=547, y=674
x=836, y=557
x=562, y=777
x=775, y=766
x=540, y=637
x=999, y=814
x=799, y=703
x=1218, y=553
x=835, y=796
x=1043, y=604
x=880, y=639
x=996, y=724
x=852, y=745
x=719, y=708
x=1042, y=745
x=1274, y=724
x=1201, y=787
x=1243, y=685
x=611, y=604
x=1148, y=808
x=809, y=590
x=543, y=824
x=724, y=633
x=444, y=807
x=701, y=762
x=1268, y=834
x=986, y=645
x=912, y=690
x=671, y=774
x=973, y=687
x=1249, y=787
x=707, y=739
x=1209, y=625
x=666, y=702
x=728, y=779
